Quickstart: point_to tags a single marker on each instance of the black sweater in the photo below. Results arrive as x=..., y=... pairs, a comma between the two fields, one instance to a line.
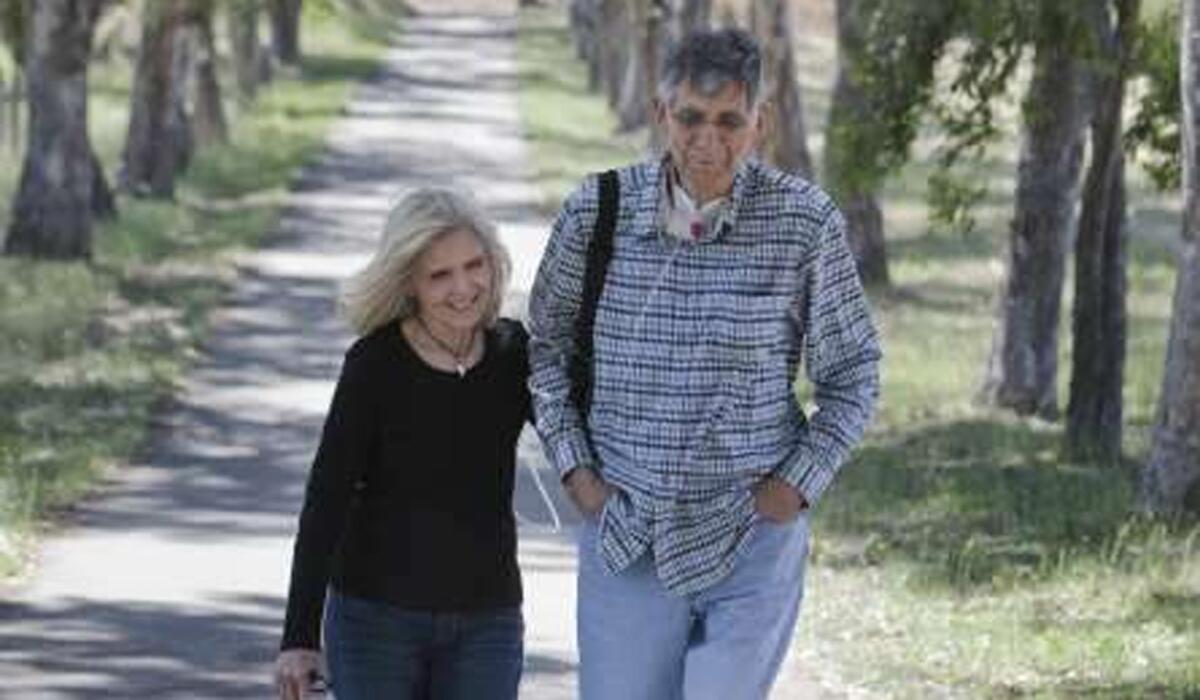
x=409, y=500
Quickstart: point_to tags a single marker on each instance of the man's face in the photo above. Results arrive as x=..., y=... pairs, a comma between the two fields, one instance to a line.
x=709, y=136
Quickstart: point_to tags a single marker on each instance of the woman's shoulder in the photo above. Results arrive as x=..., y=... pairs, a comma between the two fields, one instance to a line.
x=511, y=336
x=367, y=348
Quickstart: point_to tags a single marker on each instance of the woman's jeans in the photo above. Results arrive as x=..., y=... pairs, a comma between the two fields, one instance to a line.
x=378, y=651
x=639, y=641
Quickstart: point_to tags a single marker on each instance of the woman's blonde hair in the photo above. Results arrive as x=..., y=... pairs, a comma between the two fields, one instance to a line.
x=380, y=292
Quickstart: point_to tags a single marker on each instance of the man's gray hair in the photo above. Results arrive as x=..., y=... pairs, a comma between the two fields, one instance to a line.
x=709, y=59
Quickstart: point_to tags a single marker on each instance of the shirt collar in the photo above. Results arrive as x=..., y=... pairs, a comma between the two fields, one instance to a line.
x=652, y=201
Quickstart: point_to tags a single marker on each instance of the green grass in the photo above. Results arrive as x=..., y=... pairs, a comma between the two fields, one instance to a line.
x=87, y=351
x=959, y=554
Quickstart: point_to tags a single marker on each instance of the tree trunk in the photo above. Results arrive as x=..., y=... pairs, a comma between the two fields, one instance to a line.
x=786, y=145
x=613, y=32
x=14, y=111
x=854, y=191
x=1171, y=479
x=55, y=201
x=1094, y=415
x=592, y=43
x=285, y=31
x=1024, y=360
x=581, y=20
x=9, y=99
x=633, y=109
x=208, y=124
x=104, y=203
x=242, y=28
x=179, y=117
x=657, y=38
x=158, y=146
x=694, y=14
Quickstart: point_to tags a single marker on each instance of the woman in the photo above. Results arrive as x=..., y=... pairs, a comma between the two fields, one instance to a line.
x=407, y=518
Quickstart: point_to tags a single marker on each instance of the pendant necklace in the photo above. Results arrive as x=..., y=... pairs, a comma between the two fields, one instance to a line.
x=460, y=364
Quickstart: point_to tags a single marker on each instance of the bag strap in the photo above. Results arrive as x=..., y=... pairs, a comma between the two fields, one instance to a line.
x=599, y=253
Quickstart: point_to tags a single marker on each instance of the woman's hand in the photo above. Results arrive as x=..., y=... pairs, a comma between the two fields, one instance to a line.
x=295, y=670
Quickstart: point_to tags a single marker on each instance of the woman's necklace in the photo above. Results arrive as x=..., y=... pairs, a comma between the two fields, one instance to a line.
x=460, y=359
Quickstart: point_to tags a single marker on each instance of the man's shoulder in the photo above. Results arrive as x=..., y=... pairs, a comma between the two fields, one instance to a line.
x=631, y=178
x=788, y=193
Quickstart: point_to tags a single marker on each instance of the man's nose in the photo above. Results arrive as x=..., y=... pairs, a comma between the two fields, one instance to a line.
x=705, y=136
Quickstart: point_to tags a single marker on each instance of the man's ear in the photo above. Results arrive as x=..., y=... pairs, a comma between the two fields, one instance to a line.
x=660, y=113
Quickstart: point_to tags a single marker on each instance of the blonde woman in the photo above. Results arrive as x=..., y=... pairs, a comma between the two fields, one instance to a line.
x=406, y=550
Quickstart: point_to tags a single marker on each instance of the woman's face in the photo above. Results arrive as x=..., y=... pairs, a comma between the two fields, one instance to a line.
x=452, y=282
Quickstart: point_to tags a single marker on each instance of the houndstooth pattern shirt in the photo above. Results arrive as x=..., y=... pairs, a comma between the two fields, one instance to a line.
x=697, y=348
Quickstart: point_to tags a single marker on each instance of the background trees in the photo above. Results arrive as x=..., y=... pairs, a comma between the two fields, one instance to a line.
x=176, y=105
x=62, y=187
x=1094, y=416
x=1172, y=474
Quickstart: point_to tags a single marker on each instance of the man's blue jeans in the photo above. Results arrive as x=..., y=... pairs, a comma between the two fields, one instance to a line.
x=378, y=651
x=639, y=641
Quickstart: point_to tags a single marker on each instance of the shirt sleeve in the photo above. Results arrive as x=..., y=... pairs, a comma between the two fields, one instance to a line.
x=842, y=353
x=348, y=443
x=553, y=308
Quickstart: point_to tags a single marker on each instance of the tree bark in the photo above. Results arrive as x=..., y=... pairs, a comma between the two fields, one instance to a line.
x=1023, y=365
x=694, y=14
x=786, y=144
x=856, y=193
x=104, y=202
x=242, y=17
x=208, y=123
x=591, y=42
x=10, y=112
x=1094, y=415
x=61, y=184
x=1171, y=478
x=158, y=145
x=285, y=31
x=580, y=20
x=633, y=109
x=658, y=33
x=613, y=32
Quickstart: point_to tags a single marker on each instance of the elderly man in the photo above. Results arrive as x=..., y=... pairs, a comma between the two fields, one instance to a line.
x=694, y=464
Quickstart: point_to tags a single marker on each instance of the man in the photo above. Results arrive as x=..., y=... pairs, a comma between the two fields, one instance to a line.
x=695, y=467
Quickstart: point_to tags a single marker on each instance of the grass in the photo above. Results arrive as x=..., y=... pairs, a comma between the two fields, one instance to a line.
x=959, y=554
x=88, y=351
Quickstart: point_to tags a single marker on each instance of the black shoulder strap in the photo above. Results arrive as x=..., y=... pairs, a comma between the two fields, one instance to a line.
x=600, y=249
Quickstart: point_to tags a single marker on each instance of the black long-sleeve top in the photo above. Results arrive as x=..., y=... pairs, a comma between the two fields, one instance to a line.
x=409, y=500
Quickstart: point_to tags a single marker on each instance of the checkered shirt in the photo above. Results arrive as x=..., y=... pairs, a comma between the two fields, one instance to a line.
x=697, y=348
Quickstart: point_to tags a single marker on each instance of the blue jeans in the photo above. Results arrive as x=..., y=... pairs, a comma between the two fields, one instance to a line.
x=639, y=641
x=378, y=651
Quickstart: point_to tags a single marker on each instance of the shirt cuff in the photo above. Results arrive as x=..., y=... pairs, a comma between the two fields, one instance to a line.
x=805, y=474
x=570, y=452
